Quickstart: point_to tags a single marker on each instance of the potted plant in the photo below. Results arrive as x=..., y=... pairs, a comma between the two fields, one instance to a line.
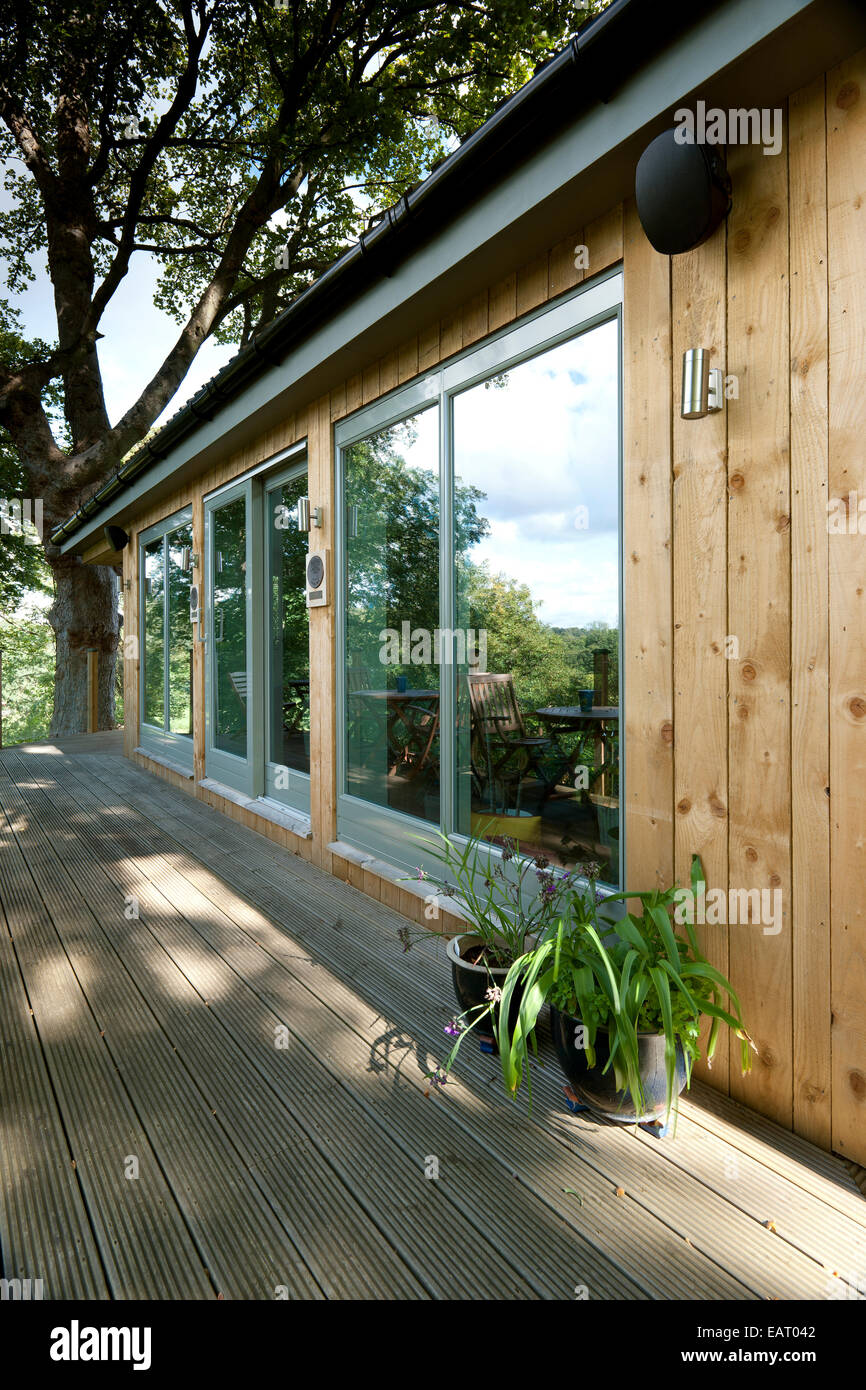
x=508, y=901
x=627, y=1000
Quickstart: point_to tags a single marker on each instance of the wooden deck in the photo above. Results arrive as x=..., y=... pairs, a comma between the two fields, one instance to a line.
x=159, y=1142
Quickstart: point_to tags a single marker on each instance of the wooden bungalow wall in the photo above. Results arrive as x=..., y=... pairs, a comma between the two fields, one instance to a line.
x=745, y=621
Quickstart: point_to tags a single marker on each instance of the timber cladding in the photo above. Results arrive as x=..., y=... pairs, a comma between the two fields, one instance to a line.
x=744, y=649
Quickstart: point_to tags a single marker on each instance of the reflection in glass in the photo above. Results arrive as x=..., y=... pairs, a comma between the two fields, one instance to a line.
x=289, y=733
x=154, y=633
x=536, y=448
x=392, y=617
x=230, y=627
x=180, y=647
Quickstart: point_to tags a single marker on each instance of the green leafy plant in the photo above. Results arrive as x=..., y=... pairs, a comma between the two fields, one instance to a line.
x=505, y=897
x=634, y=976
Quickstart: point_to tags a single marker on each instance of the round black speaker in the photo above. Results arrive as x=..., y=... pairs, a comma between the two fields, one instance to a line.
x=682, y=192
x=315, y=571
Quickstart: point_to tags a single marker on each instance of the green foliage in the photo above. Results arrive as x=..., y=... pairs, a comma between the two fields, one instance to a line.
x=632, y=976
x=635, y=975
x=27, y=643
x=506, y=898
x=351, y=105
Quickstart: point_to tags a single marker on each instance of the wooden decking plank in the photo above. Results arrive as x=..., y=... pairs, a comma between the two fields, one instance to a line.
x=673, y=1178
x=45, y=1232
x=756, y=1209
x=295, y=1188
x=245, y=1013
x=231, y=1255
x=142, y=1241
x=109, y=994
x=310, y=875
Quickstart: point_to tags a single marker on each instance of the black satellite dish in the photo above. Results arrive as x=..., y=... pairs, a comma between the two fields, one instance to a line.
x=682, y=192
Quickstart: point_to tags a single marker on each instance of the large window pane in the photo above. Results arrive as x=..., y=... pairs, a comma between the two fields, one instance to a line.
x=179, y=631
x=289, y=732
x=230, y=627
x=154, y=632
x=392, y=617
x=537, y=577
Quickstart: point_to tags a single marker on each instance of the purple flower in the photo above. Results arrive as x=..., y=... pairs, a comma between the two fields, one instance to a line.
x=437, y=1077
x=454, y=1028
x=420, y=874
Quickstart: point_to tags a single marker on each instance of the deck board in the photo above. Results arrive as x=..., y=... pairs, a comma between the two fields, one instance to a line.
x=303, y=1167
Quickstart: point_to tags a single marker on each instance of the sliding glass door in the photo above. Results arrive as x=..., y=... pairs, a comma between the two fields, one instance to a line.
x=392, y=612
x=287, y=643
x=257, y=636
x=479, y=622
x=233, y=657
x=165, y=564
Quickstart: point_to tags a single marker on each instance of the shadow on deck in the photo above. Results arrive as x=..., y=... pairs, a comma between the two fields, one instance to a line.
x=213, y=1084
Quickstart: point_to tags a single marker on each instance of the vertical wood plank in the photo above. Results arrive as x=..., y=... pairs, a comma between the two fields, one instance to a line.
x=532, y=284
x=388, y=374
x=648, y=616
x=475, y=318
x=759, y=618
x=323, y=681
x=428, y=347
x=503, y=302
x=450, y=334
x=338, y=401
x=700, y=612
x=407, y=360
x=562, y=274
x=354, y=393
x=846, y=217
x=370, y=383
x=810, y=711
x=604, y=240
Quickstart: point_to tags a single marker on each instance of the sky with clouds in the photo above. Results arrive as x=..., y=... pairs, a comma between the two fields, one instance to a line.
x=544, y=451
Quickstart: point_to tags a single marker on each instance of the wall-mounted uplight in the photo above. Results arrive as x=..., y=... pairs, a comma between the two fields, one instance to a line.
x=308, y=516
x=703, y=385
x=353, y=512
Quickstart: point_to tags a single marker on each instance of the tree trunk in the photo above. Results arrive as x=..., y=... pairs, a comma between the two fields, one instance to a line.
x=84, y=615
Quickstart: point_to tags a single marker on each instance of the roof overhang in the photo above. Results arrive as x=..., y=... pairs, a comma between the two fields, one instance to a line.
x=740, y=53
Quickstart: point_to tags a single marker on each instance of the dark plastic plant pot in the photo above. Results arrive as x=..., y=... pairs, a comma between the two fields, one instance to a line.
x=471, y=983
x=597, y=1088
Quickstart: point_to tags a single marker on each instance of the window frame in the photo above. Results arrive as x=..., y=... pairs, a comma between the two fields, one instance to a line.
x=384, y=833
x=296, y=796
x=162, y=743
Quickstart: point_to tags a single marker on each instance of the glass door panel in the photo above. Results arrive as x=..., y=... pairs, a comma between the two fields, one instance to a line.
x=536, y=536
x=180, y=631
x=153, y=704
x=229, y=627
x=391, y=508
x=287, y=646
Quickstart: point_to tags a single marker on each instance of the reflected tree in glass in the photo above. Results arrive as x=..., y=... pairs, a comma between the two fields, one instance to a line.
x=289, y=735
x=180, y=633
x=539, y=443
x=154, y=633
x=230, y=627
